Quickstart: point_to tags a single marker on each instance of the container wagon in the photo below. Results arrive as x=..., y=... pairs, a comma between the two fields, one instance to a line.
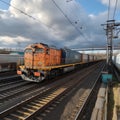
x=10, y=62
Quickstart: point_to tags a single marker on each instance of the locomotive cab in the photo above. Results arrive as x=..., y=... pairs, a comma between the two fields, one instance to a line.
x=33, y=62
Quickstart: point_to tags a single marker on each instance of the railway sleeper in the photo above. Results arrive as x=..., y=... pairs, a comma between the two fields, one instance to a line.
x=23, y=112
x=17, y=116
x=27, y=109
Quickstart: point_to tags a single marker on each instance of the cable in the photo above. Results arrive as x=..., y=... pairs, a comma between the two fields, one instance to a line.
x=70, y=21
x=42, y=22
x=25, y=13
x=39, y=20
x=75, y=6
x=66, y=17
x=108, y=10
x=115, y=9
x=73, y=3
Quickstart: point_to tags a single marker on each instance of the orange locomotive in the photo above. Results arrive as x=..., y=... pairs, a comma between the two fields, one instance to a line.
x=36, y=58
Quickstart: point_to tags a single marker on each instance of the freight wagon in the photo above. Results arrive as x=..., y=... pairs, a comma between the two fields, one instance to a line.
x=10, y=61
x=42, y=61
x=85, y=57
x=70, y=56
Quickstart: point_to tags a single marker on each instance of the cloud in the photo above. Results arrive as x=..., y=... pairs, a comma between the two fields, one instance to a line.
x=50, y=25
x=112, y=3
x=12, y=41
x=112, y=8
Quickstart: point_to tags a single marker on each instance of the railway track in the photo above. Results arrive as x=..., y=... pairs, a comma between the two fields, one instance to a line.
x=18, y=95
x=79, y=103
x=7, y=78
x=30, y=107
x=8, y=73
x=10, y=88
x=85, y=111
x=8, y=94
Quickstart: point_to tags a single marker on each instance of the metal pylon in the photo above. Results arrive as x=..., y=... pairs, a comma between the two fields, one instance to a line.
x=109, y=32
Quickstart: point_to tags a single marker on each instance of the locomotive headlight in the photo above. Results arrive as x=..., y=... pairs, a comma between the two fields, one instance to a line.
x=40, y=63
x=27, y=63
x=19, y=72
x=37, y=74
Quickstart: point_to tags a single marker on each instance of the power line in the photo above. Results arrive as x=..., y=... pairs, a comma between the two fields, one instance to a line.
x=108, y=10
x=75, y=6
x=70, y=20
x=39, y=20
x=66, y=17
x=115, y=8
x=76, y=22
x=25, y=13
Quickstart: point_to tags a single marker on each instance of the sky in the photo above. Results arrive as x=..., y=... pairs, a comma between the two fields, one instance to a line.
x=62, y=23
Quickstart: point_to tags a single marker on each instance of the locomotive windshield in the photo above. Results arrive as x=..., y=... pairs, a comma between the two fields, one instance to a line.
x=39, y=50
x=28, y=51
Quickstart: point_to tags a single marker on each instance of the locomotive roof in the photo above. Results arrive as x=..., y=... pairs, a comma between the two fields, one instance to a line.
x=35, y=45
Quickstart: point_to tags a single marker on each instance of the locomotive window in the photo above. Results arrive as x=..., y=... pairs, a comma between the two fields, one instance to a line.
x=28, y=51
x=39, y=50
x=47, y=51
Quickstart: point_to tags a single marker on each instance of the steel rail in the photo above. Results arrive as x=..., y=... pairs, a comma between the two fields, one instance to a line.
x=79, y=114
x=8, y=111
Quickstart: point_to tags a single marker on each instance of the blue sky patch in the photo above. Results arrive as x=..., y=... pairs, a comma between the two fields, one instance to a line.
x=92, y=6
x=3, y=6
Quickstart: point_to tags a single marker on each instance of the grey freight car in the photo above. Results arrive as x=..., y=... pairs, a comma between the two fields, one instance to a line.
x=70, y=56
x=91, y=58
x=7, y=58
x=85, y=58
x=10, y=62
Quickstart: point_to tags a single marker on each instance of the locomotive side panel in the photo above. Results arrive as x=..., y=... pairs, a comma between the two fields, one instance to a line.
x=54, y=57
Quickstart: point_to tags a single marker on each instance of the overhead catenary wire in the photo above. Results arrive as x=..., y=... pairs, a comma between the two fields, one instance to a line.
x=115, y=9
x=77, y=16
x=30, y=16
x=67, y=17
x=74, y=4
x=76, y=7
x=69, y=20
x=108, y=10
x=50, y=27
